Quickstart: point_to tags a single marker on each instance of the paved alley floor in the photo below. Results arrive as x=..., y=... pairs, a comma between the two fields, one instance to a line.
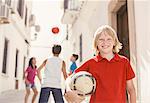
x=17, y=96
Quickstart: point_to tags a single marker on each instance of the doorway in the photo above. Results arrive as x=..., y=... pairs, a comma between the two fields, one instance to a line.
x=123, y=30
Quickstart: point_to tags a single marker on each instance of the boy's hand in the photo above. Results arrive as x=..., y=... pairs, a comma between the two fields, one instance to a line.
x=44, y=62
x=40, y=81
x=70, y=73
x=73, y=97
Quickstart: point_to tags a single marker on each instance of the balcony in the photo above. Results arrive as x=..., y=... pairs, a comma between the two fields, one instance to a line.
x=69, y=16
x=71, y=11
x=4, y=14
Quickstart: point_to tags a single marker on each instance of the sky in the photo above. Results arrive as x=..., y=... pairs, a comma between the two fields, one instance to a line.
x=48, y=15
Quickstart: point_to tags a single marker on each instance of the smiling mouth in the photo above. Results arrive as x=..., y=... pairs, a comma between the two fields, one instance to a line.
x=105, y=47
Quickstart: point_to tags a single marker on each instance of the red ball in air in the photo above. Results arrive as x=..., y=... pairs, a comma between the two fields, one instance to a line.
x=55, y=30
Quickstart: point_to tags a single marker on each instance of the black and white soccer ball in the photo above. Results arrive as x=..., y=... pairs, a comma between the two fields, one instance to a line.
x=83, y=82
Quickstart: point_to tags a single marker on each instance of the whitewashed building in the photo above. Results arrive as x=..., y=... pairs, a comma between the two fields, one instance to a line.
x=15, y=23
x=128, y=17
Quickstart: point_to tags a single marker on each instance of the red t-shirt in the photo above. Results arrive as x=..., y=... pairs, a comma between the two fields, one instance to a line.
x=111, y=77
x=31, y=74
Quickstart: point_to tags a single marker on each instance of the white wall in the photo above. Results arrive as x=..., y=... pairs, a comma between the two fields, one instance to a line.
x=1, y=50
x=143, y=49
x=15, y=42
x=67, y=50
x=92, y=15
x=16, y=33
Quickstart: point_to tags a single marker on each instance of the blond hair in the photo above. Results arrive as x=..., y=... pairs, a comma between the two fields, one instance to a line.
x=110, y=31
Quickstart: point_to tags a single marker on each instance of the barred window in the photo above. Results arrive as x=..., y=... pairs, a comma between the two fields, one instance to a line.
x=80, y=45
x=16, y=64
x=4, y=69
x=20, y=7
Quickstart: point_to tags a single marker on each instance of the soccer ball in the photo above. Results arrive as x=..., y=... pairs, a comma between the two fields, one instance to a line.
x=83, y=82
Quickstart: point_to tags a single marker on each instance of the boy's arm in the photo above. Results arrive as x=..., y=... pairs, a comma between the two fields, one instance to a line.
x=131, y=91
x=39, y=70
x=64, y=70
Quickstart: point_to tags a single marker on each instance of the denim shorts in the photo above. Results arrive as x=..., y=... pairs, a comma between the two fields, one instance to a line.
x=30, y=85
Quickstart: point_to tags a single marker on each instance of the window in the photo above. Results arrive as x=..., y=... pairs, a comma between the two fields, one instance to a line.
x=80, y=48
x=26, y=17
x=16, y=64
x=5, y=57
x=20, y=7
x=8, y=2
x=67, y=36
x=24, y=64
x=65, y=4
x=71, y=4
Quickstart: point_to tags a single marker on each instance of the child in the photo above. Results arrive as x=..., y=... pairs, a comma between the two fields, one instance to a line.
x=52, y=81
x=30, y=74
x=112, y=71
x=73, y=66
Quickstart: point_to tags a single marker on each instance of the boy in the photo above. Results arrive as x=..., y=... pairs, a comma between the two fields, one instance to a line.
x=73, y=66
x=113, y=72
x=52, y=81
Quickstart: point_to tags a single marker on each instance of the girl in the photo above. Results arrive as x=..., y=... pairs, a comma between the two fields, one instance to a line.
x=30, y=74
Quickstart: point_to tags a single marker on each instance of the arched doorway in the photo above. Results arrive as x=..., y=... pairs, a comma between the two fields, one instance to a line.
x=118, y=19
x=123, y=30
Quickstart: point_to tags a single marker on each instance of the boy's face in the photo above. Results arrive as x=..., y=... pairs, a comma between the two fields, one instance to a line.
x=105, y=43
x=72, y=58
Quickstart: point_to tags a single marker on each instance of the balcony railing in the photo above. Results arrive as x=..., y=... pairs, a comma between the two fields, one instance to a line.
x=71, y=10
x=4, y=14
x=71, y=4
